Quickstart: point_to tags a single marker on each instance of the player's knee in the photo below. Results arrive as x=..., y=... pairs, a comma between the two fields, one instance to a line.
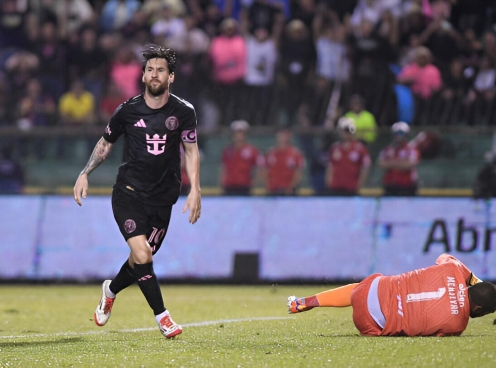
x=141, y=255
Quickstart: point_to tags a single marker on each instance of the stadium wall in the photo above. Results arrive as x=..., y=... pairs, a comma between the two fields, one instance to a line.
x=283, y=238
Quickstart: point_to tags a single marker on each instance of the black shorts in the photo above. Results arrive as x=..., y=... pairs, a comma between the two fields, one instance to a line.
x=135, y=218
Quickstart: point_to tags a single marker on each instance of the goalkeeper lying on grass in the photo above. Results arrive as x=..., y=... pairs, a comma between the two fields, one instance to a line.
x=433, y=301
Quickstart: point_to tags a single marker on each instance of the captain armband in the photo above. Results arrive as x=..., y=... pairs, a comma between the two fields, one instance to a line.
x=189, y=136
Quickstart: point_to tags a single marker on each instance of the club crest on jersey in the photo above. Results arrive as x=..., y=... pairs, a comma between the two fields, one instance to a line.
x=129, y=226
x=156, y=144
x=171, y=123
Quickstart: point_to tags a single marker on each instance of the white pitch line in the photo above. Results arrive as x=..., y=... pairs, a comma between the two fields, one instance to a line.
x=144, y=329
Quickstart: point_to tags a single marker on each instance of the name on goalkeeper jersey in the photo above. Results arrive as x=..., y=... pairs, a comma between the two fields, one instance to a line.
x=456, y=295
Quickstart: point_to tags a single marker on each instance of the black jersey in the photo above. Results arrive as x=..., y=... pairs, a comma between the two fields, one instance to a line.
x=151, y=160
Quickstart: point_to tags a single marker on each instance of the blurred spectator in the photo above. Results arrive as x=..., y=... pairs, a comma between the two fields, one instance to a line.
x=297, y=60
x=348, y=162
x=407, y=52
x=77, y=106
x=73, y=14
x=231, y=8
x=5, y=109
x=442, y=39
x=111, y=100
x=210, y=20
x=315, y=147
x=489, y=45
x=482, y=94
x=137, y=30
x=412, y=24
x=192, y=74
x=152, y=8
x=453, y=92
x=365, y=124
x=424, y=79
x=329, y=34
x=284, y=165
x=228, y=57
x=400, y=161
x=261, y=52
x=11, y=173
x=36, y=107
x=126, y=71
x=305, y=10
x=52, y=55
x=169, y=29
x=333, y=66
x=470, y=48
x=88, y=62
x=372, y=10
x=13, y=24
x=116, y=13
x=344, y=9
x=21, y=66
x=485, y=181
x=372, y=78
x=388, y=29
x=241, y=162
x=262, y=14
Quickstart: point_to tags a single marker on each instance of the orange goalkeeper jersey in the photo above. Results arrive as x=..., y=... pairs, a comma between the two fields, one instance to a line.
x=426, y=302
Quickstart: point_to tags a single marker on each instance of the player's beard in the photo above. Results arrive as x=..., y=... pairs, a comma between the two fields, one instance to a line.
x=157, y=90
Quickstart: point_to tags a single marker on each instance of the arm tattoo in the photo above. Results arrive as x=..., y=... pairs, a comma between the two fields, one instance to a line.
x=100, y=153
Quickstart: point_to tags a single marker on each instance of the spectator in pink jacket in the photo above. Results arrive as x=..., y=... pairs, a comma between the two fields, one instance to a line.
x=423, y=77
x=125, y=72
x=424, y=80
x=228, y=59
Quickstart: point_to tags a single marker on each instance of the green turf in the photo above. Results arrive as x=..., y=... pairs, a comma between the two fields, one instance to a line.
x=43, y=326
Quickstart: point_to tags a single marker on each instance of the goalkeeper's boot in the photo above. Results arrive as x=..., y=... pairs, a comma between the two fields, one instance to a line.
x=168, y=327
x=297, y=305
x=102, y=312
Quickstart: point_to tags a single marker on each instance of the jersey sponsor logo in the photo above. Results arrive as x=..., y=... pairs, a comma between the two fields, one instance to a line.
x=129, y=226
x=171, y=123
x=140, y=124
x=107, y=130
x=156, y=144
x=427, y=295
x=189, y=136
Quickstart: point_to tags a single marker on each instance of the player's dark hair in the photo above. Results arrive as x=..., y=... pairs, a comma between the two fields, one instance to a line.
x=483, y=294
x=153, y=51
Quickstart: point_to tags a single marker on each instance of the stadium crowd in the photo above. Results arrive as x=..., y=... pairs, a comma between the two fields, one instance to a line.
x=270, y=62
x=295, y=63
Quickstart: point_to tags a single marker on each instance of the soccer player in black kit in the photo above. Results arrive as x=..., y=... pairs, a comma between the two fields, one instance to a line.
x=154, y=125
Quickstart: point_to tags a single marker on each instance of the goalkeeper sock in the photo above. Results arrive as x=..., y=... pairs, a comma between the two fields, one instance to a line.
x=339, y=297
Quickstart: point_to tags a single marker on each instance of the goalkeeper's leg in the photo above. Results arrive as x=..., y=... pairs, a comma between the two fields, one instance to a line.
x=338, y=297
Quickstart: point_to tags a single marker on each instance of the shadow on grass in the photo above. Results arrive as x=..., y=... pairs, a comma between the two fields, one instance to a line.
x=20, y=344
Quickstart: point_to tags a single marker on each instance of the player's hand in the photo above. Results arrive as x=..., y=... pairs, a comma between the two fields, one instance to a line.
x=81, y=188
x=193, y=203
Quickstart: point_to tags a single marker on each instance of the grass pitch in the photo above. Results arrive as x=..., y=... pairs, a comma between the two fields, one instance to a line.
x=224, y=326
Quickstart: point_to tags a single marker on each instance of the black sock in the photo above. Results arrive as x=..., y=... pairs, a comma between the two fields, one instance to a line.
x=124, y=278
x=148, y=283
